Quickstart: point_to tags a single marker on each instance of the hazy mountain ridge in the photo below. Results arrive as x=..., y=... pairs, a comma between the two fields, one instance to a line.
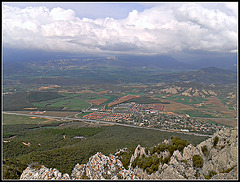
x=210, y=75
x=148, y=69
x=214, y=158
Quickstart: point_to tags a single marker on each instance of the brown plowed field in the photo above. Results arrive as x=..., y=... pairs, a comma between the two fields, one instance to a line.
x=86, y=91
x=123, y=99
x=173, y=106
x=217, y=102
x=220, y=107
x=92, y=92
x=225, y=121
x=97, y=101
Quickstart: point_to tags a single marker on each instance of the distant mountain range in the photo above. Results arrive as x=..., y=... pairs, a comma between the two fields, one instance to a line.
x=157, y=68
x=210, y=75
x=193, y=61
x=159, y=61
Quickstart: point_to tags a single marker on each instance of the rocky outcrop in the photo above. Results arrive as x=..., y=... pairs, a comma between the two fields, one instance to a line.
x=219, y=160
x=189, y=152
x=100, y=166
x=139, y=152
x=223, y=155
x=219, y=155
x=42, y=173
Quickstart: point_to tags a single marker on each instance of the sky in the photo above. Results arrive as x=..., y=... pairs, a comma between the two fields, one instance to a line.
x=100, y=28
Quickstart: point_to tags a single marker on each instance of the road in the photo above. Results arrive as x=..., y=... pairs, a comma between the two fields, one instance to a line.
x=104, y=122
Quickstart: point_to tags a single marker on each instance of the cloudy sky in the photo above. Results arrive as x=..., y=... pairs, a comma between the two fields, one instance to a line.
x=121, y=28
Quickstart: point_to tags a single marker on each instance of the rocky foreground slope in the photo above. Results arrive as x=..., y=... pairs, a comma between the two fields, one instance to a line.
x=214, y=158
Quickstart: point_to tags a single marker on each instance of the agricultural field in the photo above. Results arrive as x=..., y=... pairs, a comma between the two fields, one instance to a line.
x=83, y=114
x=233, y=122
x=97, y=101
x=187, y=100
x=8, y=119
x=210, y=107
x=182, y=99
x=86, y=97
x=195, y=113
x=122, y=99
x=146, y=100
x=13, y=125
x=69, y=102
x=133, y=93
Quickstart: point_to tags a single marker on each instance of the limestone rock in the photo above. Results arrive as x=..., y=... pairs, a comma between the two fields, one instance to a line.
x=139, y=151
x=189, y=152
x=79, y=171
x=100, y=166
x=190, y=172
x=170, y=173
x=225, y=154
x=177, y=155
x=43, y=173
x=233, y=174
x=173, y=161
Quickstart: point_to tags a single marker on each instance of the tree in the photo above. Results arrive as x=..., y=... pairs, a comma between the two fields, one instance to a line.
x=215, y=141
x=197, y=161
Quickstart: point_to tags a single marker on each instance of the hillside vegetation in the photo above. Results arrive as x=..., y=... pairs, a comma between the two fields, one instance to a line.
x=51, y=141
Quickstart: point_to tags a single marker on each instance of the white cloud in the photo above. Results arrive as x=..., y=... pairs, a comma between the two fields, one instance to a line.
x=61, y=14
x=232, y=7
x=161, y=29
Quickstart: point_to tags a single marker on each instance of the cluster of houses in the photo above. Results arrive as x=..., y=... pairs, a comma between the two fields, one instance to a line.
x=183, y=123
x=108, y=116
x=152, y=115
x=174, y=123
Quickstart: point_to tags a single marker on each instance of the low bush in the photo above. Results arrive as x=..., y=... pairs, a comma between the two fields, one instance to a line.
x=205, y=150
x=210, y=174
x=215, y=141
x=197, y=161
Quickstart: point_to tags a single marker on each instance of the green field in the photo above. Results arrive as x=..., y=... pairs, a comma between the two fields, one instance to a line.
x=162, y=96
x=71, y=95
x=195, y=113
x=13, y=124
x=69, y=103
x=83, y=114
x=9, y=119
x=231, y=108
x=111, y=99
x=144, y=100
x=133, y=93
x=186, y=100
x=98, y=90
